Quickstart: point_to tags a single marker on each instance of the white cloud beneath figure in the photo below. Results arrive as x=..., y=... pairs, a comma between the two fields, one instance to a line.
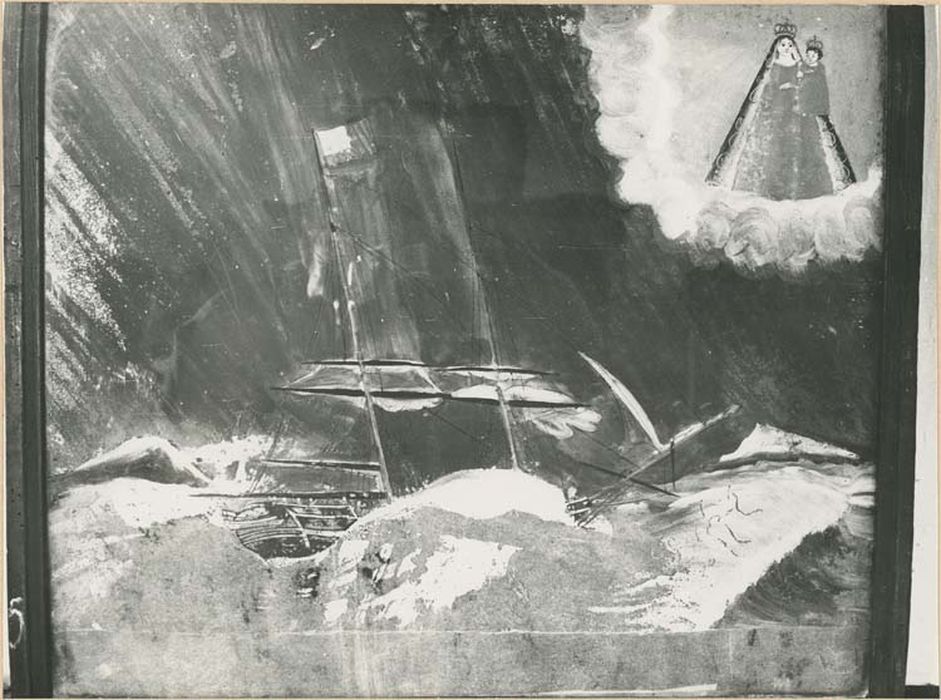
x=642, y=96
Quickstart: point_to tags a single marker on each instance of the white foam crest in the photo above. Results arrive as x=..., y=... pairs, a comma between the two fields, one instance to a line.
x=482, y=494
x=766, y=439
x=726, y=531
x=458, y=566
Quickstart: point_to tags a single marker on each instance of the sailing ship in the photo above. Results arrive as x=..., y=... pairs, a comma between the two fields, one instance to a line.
x=380, y=374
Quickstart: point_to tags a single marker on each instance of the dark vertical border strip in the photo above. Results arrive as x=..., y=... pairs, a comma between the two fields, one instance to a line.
x=895, y=476
x=36, y=601
x=13, y=395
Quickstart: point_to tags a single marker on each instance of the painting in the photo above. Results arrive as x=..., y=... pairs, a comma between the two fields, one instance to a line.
x=461, y=349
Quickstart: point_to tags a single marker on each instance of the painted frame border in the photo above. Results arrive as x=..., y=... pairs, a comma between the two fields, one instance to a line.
x=890, y=592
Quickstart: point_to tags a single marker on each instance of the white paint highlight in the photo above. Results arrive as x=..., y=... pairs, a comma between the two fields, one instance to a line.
x=458, y=566
x=628, y=400
x=766, y=439
x=138, y=503
x=334, y=141
x=334, y=610
x=481, y=494
x=726, y=530
x=201, y=464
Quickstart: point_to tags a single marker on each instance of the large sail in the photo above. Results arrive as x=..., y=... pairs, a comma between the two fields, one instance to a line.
x=420, y=336
x=430, y=377
x=400, y=244
x=400, y=306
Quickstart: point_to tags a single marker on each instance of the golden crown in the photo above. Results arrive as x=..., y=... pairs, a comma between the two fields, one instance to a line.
x=814, y=44
x=785, y=28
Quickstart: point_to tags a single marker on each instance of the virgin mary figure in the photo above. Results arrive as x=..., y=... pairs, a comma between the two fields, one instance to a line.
x=779, y=146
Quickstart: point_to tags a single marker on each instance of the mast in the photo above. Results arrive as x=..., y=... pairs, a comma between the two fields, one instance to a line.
x=508, y=423
x=341, y=152
x=508, y=426
x=333, y=216
x=505, y=413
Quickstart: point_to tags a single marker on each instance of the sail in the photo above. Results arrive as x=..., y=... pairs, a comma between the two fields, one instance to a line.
x=516, y=395
x=404, y=386
x=629, y=401
x=395, y=388
x=439, y=379
x=397, y=301
x=319, y=445
x=400, y=242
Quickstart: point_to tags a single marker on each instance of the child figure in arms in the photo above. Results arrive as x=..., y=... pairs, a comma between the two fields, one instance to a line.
x=813, y=94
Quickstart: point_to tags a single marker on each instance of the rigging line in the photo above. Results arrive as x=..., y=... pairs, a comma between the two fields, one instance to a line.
x=632, y=479
x=475, y=226
x=600, y=503
x=471, y=265
x=277, y=438
x=648, y=485
x=357, y=351
x=497, y=359
x=256, y=479
x=315, y=330
x=527, y=250
x=458, y=172
x=416, y=278
x=554, y=328
x=495, y=354
x=465, y=257
x=475, y=296
x=508, y=426
x=282, y=414
x=332, y=447
x=673, y=462
x=262, y=469
x=454, y=425
x=478, y=327
x=474, y=267
x=333, y=216
x=300, y=527
x=341, y=288
x=592, y=438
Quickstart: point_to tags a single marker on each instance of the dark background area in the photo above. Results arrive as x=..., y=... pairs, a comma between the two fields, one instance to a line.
x=185, y=208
